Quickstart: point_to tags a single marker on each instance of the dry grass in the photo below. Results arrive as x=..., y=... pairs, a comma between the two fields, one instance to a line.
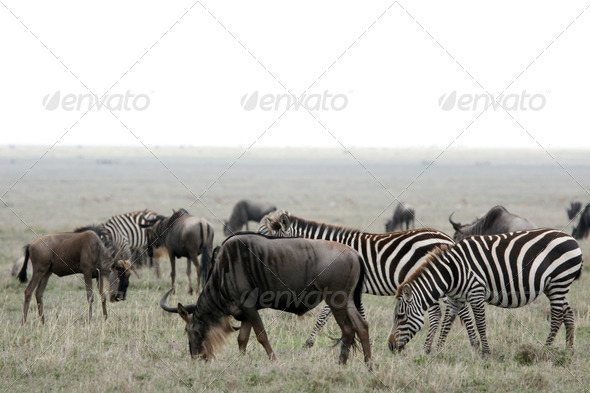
x=140, y=348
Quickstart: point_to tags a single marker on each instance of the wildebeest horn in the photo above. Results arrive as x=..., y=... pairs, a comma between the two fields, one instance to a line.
x=456, y=225
x=189, y=307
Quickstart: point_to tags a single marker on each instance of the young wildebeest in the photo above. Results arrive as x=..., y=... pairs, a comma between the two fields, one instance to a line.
x=245, y=211
x=253, y=272
x=71, y=253
x=403, y=213
x=183, y=236
x=497, y=220
x=581, y=230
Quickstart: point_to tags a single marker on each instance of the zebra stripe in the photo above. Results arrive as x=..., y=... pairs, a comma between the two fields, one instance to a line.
x=508, y=270
x=126, y=231
x=388, y=258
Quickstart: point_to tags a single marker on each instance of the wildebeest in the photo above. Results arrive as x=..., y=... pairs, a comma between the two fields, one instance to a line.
x=497, y=220
x=581, y=230
x=244, y=211
x=253, y=272
x=71, y=253
x=183, y=236
x=575, y=207
x=403, y=213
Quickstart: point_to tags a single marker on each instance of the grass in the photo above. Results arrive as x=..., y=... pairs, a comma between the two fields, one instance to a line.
x=140, y=348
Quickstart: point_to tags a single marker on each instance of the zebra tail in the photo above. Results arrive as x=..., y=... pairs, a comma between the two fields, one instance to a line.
x=358, y=291
x=22, y=275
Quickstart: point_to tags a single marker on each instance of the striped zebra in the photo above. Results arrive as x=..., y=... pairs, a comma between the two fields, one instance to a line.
x=388, y=259
x=128, y=231
x=508, y=270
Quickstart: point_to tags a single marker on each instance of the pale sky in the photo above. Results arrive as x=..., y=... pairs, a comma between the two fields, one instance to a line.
x=382, y=74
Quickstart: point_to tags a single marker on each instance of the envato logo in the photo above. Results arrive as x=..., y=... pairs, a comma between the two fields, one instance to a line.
x=283, y=299
x=312, y=102
x=511, y=102
x=112, y=102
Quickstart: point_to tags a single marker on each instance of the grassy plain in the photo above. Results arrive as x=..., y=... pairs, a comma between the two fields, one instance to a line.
x=142, y=349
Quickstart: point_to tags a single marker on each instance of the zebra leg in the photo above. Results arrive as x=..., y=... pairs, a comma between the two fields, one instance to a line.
x=450, y=314
x=468, y=322
x=434, y=314
x=557, y=311
x=479, y=313
x=320, y=323
x=568, y=320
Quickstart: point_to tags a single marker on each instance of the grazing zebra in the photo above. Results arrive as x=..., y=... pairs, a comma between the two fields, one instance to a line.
x=128, y=231
x=508, y=270
x=388, y=259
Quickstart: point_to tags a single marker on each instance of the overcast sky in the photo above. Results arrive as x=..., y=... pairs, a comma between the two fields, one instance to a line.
x=382, y=74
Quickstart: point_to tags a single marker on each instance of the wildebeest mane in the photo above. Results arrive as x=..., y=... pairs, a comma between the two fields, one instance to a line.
x=251, y=233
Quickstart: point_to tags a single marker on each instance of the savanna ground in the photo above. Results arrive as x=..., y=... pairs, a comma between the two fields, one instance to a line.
x=140, y=348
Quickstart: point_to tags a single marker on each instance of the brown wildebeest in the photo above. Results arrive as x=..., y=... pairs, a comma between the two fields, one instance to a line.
x=71, y=253
x=244, y=211
x=575, y=208
x=496, y=221
x=253, y=272
x=403, y=214
x=183, y=236
x=581, y=230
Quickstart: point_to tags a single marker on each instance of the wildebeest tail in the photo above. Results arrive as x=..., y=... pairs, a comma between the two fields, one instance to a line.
x=22, y=275
x=213, y=261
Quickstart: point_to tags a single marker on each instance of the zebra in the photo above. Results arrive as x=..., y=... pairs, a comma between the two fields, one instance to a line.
x=388, y=259
x=507, y=270
x=128, y=231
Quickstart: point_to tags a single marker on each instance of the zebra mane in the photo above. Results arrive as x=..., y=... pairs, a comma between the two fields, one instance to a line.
x=432, y=258
x=305, y=224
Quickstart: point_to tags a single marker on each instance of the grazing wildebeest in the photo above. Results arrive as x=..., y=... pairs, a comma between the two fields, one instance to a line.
x=244, y=211
x=575, y=207
x=581, y=230
x=253, y=272
x=71, y=253
x=403, y=213
x=183, y=236
x=497, y=220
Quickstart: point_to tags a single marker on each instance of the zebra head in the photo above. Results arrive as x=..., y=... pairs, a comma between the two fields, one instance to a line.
x=408, y=318
x=277, y=223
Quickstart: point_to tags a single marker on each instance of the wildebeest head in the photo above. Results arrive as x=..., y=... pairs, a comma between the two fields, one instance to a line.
x=388, y=226
x=458, y=227
x=206, y=333
x=121, y=270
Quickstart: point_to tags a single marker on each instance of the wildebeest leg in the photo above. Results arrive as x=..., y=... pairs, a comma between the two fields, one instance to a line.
x=320, y=323
x=39, y=294
x=198, y=269
x=341, y=316
x=188, y=274
x=103, y=296
x=89, y=294
x=172, y=269
x=37, y=275
x=256, y=322
x=244, y=336
x=361, y=328
x=434, y=315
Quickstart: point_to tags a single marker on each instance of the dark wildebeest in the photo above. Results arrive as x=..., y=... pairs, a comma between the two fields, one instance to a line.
x=403, y=213
x=71, y=253
x=575, y=207
x=253, y=272
x=183, y=236
x=581, y=230
x=497, y=220
x=245, y=211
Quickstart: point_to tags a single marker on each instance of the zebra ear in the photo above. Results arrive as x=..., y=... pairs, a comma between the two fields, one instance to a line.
x=285, y=222
x=407, y=293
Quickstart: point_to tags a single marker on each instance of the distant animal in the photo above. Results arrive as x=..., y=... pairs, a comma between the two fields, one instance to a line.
x=128, y=231
x=480, y=269
x=183, y=236
x=497, y=220
x=403, y=214
x=253, y=272
x=581, y=230
x=388, y=259
x=575, y=207
x=244, y=211
x=16, y=268
x=71, y=253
